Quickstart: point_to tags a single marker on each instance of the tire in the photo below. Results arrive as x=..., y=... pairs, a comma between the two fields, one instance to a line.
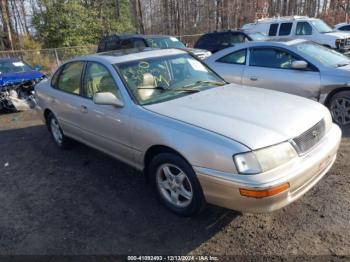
x=339, y=105
x=176, y=184
x=57, y=134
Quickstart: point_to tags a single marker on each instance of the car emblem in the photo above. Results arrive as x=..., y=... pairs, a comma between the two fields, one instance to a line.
x=315, y=133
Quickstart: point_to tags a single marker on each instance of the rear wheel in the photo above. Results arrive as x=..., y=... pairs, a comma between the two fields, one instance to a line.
x=339, y=106
x=176, y=184
x=56, y=132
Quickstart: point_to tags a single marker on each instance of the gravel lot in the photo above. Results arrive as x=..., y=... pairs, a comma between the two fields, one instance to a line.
x=83, y=202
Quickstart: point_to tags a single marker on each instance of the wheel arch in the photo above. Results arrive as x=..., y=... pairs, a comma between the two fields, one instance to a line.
x=155, y=150
x=333, y=92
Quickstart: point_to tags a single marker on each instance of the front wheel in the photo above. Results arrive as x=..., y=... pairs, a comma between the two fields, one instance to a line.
x=339, y=106
x=176, y=184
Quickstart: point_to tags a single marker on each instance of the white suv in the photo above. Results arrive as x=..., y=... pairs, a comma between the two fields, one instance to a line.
x=302, y=27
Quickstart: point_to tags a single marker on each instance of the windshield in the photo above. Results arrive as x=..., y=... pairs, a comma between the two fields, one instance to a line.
x=323, y=54
x=159, y=79
x=13, y=67
x=321, y=26
x=258, y=36
x=165, y=42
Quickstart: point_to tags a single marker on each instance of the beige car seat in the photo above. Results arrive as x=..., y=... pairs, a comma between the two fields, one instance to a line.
x=107, y=84
x=146, y=90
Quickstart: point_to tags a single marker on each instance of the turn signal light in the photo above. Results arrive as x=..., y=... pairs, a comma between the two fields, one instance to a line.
x=264, y=193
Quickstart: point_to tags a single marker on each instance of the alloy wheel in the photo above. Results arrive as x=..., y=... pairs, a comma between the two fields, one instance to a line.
x=56, y=131
x=340, y=110
x=174, y=185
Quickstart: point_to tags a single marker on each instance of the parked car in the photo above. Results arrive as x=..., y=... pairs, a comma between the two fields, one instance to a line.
x=163, y=41
x=197, y=138
x=217, y=41
x=342, y=27
x=303, y=27
x=17, y=80
x=117, y=42
x=298, y=67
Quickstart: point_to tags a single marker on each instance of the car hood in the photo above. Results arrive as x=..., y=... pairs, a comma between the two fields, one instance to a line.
x=20, y=77
x=339, y=34
x=255, y=117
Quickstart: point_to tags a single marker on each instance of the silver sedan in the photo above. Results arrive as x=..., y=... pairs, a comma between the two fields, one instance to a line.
x=297, y=67
x=196, y=138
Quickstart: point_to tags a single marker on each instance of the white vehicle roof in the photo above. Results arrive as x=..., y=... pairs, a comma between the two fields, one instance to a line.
x=126, y=55
x=284, y=19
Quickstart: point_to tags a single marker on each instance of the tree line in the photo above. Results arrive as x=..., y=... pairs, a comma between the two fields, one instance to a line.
x=30, y=24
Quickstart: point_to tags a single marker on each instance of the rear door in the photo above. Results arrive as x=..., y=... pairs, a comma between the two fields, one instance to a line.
x=65, y=97
x=270, y=68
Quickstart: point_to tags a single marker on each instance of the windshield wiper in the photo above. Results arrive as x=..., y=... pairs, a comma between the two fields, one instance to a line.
x=199, y=82
x=162, y=88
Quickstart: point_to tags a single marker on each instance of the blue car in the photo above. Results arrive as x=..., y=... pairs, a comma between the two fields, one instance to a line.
x=17, y=80
x=14, y=71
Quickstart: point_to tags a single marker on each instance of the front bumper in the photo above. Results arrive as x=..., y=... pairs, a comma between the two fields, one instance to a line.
x=302, y=174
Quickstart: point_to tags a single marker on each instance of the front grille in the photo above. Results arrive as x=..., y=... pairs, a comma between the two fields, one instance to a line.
x=348, y=41
x=309, y=138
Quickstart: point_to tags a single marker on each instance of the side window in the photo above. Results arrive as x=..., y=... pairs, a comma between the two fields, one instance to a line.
x=54, y=79
x=285, y=28
x=111, y=45
x=223, y=39
x=203, y=41
x=238, y=57
x=273, y=29
x=272, y=58
x=97, y=78
x=139, y=43
x=69, y=79
x=344, y=28
x=126, y=44
x=237, y=38
x=303, y=28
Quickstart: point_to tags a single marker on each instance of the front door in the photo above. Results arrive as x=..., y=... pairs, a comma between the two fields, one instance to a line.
x=270, y=68
x=107, y=125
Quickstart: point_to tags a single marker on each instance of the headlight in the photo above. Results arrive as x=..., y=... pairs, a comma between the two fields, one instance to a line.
x=339, y=42
x=265, y=159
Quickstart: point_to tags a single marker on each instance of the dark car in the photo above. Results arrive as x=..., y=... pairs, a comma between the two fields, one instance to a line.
x=216, y=41
x=127, y=41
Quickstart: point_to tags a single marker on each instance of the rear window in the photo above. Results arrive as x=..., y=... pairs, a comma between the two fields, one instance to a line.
x=273, y=29
x=285, y=28
x=203, y=41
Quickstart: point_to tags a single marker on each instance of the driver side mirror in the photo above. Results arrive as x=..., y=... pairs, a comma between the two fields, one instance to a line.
x=299, y=64
x=107, y=98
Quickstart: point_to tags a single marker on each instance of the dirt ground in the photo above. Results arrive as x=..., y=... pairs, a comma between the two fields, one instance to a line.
x=81, y=201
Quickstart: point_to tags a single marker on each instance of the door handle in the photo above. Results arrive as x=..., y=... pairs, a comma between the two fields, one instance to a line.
x=253, y=78
x=83, y=109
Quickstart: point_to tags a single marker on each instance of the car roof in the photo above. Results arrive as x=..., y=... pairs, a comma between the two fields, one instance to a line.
x=121, y=36
x=283, y=19
x=126, y=55
x=225, y=31
x=158, y=36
